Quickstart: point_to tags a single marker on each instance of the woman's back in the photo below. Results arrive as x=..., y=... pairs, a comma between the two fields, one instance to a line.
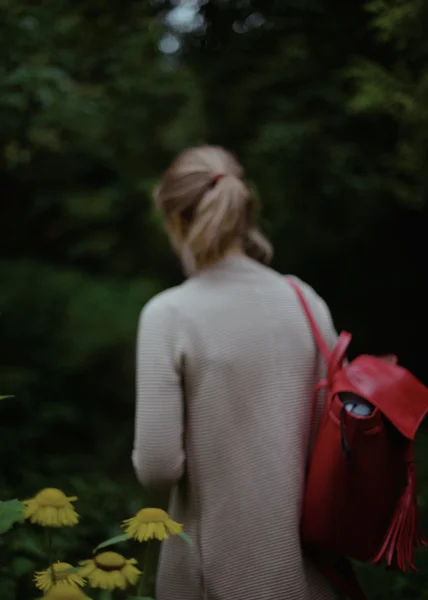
x=237, y=340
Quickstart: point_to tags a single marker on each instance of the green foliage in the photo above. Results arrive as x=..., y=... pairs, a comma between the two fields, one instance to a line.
x=397, y=89
x=11, y=512
x=117, y=539
x=397, y=21
x=89, y=109
x=183, y=535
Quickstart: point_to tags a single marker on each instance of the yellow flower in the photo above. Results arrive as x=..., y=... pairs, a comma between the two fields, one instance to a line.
x=45, y=580
x=51, y=508
x=65, y=592
x=110, y=570
x=151, y=523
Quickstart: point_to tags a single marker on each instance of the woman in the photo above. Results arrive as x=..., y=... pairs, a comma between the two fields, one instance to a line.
x=226, y=366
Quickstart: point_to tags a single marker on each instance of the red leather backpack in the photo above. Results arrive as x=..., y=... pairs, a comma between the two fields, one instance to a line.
x=360, y=496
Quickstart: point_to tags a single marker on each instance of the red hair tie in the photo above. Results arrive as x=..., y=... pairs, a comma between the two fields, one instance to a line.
x=217, y=177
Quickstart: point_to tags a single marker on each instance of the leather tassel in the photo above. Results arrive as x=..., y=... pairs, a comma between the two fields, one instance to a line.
x=405, y=530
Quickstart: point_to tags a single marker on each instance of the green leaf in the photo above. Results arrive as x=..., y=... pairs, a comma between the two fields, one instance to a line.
x=183, y=535
x=112, y=541
x=11, y=512
x=20, y=566
x=5, y=397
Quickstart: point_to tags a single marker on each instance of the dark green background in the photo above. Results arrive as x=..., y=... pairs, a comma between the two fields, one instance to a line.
x=326, y=104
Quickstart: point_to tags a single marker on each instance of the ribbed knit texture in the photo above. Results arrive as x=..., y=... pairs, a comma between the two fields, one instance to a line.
x=226, y=367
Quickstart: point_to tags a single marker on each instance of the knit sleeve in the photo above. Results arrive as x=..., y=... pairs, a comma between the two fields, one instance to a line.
x=158, y=455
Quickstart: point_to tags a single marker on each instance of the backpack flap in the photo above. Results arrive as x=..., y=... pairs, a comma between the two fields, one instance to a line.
x=398, y=394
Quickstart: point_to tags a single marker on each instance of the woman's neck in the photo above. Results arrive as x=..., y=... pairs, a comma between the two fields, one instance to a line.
x=236, y=249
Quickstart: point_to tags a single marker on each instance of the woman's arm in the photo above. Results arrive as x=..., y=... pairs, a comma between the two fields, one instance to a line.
x=158, y=455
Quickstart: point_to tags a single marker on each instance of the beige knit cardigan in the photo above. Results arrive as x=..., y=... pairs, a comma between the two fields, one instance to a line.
x=226, y=366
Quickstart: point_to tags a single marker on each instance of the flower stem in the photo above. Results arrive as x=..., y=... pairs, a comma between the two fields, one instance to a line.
x=150, y=556
x=140, y=585
x=49, y=551
x=147, y=583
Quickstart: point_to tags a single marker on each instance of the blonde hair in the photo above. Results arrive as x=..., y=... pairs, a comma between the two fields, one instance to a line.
x=209, y=208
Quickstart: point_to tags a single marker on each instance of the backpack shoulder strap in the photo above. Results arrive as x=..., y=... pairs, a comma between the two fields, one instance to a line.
x=319, y=339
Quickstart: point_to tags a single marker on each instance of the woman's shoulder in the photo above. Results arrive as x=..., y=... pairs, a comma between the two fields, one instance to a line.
x=308, y=291
x=163, y=302
x=169, y=307
x=306, y=288
x=319, y=309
